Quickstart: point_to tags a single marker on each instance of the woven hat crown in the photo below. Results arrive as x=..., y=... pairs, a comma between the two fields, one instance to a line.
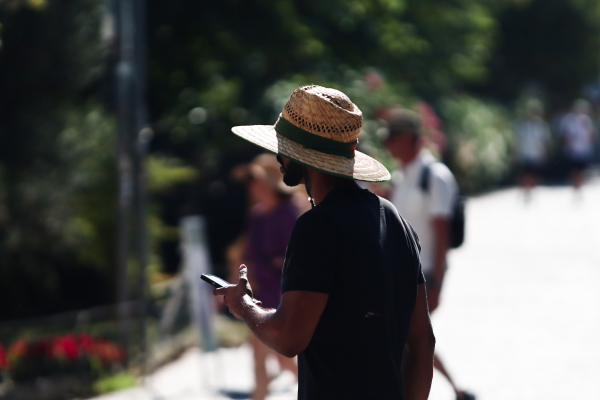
x=325, y=112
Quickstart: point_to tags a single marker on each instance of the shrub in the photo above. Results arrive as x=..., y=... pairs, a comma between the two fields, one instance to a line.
x=78, y=353
x=480, y=141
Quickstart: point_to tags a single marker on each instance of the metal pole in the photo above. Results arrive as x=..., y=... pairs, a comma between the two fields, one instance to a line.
x=134, y=137
x=126, y=116
x=144, y=134
x=143, y=137
x=196, y=263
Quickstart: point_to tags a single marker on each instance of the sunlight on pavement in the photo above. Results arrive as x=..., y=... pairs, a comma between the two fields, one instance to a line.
x=520, y=314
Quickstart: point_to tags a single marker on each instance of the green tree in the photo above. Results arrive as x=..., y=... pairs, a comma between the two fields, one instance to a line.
x=222, y=56
x=213, y=65
x=550, y=44
x=51, y=58
x=57, y=160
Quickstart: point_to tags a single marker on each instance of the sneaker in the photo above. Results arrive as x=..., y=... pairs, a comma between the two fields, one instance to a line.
x=465, y=396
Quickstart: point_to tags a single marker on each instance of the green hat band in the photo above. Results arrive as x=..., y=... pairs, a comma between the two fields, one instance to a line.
x=312, y=141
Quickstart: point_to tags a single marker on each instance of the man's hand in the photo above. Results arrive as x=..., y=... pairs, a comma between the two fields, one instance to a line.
x=287, y=330
x=238, y=297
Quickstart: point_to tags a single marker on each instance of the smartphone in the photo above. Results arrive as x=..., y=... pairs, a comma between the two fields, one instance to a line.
x=218, y=282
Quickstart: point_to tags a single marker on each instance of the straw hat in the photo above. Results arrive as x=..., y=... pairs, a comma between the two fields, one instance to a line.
x=318, y=128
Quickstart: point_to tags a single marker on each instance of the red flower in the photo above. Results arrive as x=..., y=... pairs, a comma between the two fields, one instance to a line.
x=41, y=348
x=65, y=347
x=17, y=349
x=85, y=342
x=373, y=80
x=3, y=359
x=108, y=352
x=433, y=124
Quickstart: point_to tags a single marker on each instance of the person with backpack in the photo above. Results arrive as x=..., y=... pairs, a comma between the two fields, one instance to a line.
x=426, y=195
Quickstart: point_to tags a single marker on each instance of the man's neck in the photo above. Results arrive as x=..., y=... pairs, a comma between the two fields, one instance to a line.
x=406, y=162
x=320, y=184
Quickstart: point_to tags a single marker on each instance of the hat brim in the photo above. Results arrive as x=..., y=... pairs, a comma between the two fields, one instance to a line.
x=361, y=167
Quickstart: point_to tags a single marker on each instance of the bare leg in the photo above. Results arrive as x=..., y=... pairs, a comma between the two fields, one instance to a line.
x=287, y=364
x=577, y=178
x=260, y=369
x=528, y=181
x=433, y=298
x=437, y=364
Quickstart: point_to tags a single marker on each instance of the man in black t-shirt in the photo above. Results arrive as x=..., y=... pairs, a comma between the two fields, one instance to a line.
x=353, y=305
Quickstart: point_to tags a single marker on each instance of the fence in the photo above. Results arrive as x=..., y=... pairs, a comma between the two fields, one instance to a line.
x=179, y=314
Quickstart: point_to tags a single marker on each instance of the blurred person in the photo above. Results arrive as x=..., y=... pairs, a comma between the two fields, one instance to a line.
x=429, y=212
x=270, y=222
x=533, y=139
x=353, y=304
x=578, y=132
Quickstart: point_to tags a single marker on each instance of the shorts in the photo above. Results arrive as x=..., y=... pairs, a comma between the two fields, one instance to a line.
x=530, y=167
x=578, y=164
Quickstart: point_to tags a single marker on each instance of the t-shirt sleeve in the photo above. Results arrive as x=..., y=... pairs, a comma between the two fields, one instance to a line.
x=420, y=276
x=443, y=191
x=312, y=255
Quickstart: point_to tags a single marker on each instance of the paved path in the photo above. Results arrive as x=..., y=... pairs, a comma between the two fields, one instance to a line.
x=520, y=313
x=520, y=317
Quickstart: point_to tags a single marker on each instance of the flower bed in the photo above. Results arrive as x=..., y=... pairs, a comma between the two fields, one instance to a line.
x=73, y=353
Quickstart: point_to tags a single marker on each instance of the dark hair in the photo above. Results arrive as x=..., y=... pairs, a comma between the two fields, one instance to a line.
x=405, y=122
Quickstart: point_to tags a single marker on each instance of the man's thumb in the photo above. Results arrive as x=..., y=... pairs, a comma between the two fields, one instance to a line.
x=243, y=272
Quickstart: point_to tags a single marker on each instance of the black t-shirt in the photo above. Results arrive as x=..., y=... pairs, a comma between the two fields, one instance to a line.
x=356, y=248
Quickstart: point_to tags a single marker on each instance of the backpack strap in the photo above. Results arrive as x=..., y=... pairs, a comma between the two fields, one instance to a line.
x=424, y=181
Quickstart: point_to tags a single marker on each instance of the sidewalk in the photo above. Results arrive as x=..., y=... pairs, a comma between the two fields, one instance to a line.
x=520, y=314
x=519, y=318
x=224, y=374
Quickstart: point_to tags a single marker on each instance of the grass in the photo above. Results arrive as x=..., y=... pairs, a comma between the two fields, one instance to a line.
x=122, y=380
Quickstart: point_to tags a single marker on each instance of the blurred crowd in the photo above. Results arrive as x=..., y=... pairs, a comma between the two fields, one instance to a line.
x=574, y=132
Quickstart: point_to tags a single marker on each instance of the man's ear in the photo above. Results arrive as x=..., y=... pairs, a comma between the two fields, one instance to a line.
x=419, y=142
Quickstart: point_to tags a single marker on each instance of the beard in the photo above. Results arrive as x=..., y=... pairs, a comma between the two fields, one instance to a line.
x=293, y=173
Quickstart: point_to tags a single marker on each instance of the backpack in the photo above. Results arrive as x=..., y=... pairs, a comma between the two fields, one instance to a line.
x=457, y=220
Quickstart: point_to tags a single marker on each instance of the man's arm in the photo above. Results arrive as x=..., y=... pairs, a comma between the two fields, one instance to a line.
x=441, y=242
x=287, y=330
x=417, y=364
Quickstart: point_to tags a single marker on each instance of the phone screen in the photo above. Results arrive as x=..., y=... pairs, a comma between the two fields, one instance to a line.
x=219, y=283
x=215, y=281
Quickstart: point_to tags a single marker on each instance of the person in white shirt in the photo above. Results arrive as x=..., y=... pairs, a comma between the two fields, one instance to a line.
x=578, y=132
x=428, y=211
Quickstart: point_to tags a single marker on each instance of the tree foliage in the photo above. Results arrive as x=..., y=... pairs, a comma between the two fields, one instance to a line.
x=50, y=156
x=222, y=56
x=57, y=161
x=550, y=44
x=480, y=141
